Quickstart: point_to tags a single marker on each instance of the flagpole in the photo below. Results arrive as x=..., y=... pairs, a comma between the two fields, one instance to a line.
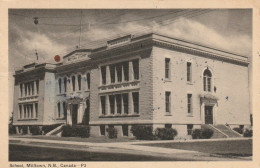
x=80, y=28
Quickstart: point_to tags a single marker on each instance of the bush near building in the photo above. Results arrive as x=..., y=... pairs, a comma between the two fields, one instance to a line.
x=165, y=133
x=112, y=132
x=11, y=129
x=202, y=133
x=76, y=131
x=143, y=132
x=248, y=133
x=238, y=130
x=35, y=130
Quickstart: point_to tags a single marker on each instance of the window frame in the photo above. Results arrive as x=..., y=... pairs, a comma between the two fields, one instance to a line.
x=167, y=102
x=167, y=67
x=189, y=72
x=189, y=104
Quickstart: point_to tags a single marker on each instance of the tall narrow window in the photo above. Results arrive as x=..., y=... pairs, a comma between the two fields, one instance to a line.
x=64, y=109
x=118, y=103
x=28, y=111
x=21, y=90
x=189, y=97
x=112, y=104
x=103, y=105
x=188, y=71
x=32, y=88
x=207, y=80
x=32, y=115
x=65, y=84
x=58, y=106
x=25, y=89
x=168, y=102
x=189, y=129
x=24, y=111
x=103, y=74
x=37, y=86
x=112, y=73
x=73, y=83
x=29, y=89
x=88, y=80
x=125, y=100
x=136, y=69
x=20, y=111
x=79, y=82
x=126, y=71
x=36, y=110
x=102, y=130
x=59, y=85
x=167, y=68
x=119, y=72
x=135, y=96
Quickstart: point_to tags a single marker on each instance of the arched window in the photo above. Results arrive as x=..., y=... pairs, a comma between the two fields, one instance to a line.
x=73, y=83
x=79, y=82
x=207, y=80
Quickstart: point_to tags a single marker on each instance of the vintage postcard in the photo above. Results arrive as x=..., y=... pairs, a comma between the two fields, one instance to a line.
x=94, y=84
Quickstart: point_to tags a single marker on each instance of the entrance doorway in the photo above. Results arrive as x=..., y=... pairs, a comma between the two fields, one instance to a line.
x=208, y=114
x=74, y=114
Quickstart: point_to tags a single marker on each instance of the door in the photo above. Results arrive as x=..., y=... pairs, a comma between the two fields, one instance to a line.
x=208, y=115
x=74, y=114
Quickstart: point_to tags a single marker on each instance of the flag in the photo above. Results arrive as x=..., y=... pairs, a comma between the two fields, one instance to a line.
x=36, y=53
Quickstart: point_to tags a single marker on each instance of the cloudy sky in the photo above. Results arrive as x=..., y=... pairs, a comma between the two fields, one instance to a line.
x=58, y=31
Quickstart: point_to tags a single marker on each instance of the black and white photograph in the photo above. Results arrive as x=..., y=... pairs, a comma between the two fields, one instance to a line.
x=172, y=84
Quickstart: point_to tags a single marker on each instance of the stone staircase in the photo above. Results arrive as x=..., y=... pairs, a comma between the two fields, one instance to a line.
x=222, y=131
x=55, y=132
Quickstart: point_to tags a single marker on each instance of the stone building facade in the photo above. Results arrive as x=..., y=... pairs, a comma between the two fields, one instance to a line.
x=148, y=79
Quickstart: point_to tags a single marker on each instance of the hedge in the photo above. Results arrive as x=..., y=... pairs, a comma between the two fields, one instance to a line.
x=142, y=132
x=248, y=133
x=76, y=131
x=165, y=133
x=112, y=132
x=205, y=133
x=238, y=130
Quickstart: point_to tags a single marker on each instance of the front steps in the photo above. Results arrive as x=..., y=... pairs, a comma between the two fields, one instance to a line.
x=222, y=131
x=56, y=131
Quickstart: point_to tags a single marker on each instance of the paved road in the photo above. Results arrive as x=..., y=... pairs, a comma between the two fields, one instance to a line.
x=21, y=149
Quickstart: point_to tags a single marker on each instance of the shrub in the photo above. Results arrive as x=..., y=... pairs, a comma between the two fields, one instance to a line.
x=248, y=133
x=24, y=129
x=165, y=133
x=48, y=128
x=112, y=132
x=206, y=133
x=76, y=131
x=11, y=129
x=238, y=130
x=142, y=132
x=196, y=134
x=35, y=130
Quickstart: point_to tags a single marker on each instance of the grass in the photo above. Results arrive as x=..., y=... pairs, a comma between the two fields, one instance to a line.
x=229, y=147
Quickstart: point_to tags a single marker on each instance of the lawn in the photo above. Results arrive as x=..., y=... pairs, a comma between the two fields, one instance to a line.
x=229, y=147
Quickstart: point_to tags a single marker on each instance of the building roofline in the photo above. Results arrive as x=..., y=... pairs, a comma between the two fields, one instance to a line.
x=78, y=50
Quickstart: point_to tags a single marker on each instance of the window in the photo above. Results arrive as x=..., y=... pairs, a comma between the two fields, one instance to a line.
x=103, y=74
x=118, y=103
x=167, y=68
x=102, y=129
x=125, y=100
x=126, y=71
x=103, y=105
x=58, y=105
x=20, y=111
x=112, y=73
x=32, y=88
x=25, y=89
x=28, y=111
x=119, y=72
x=136, y=102
x=59, y=85
x=112, y=104
x=65, y=84
x=189, y=96
x=168, y=126
x=88, y=80
x=24, y=111
x=79, y=82
x=136, y=69
x=37, y=86
x=21, y=90
x=31, y=106
x=207, y=80
x=73, y=83
x=168, y=102
x=64, y=109
x=125, y=130
x=189, y=129
x=36, y=110
x=188, y=71
x=29, y=89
